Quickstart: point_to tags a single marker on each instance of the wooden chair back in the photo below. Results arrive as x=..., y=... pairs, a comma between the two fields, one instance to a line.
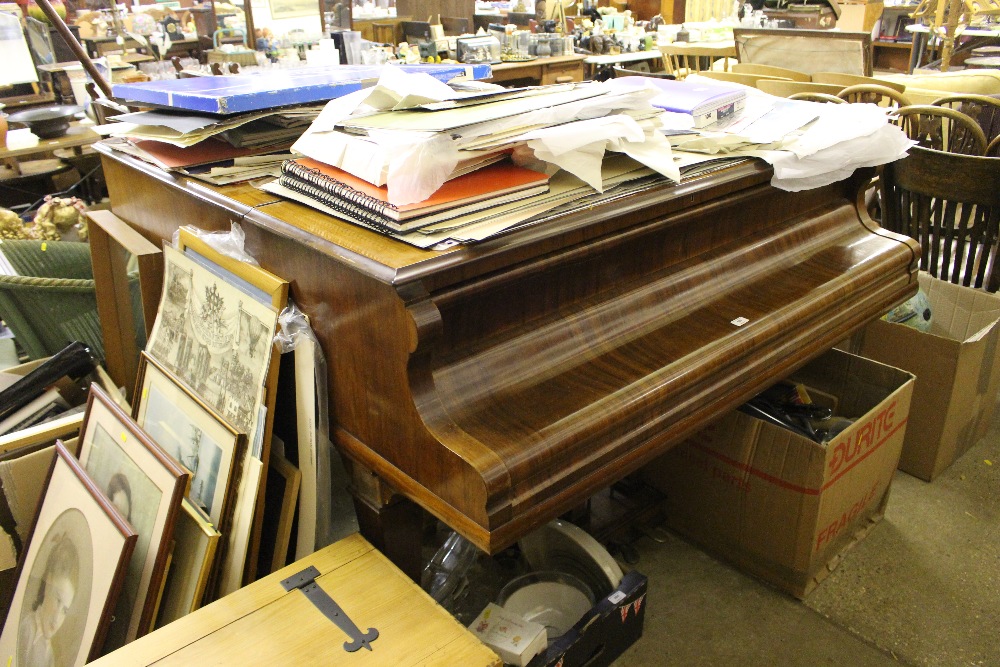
x=739, y=77
x=984, y=109
x=845, y=80
x=771, y=70
x=950, y=204
x=943, y=129
x=869, y=93
x=781, y=88
x=817, y=97
x=681, y=59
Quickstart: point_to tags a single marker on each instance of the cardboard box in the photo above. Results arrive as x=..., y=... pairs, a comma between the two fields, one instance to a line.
x=957, y=371
x=779, y=505
x=603, y=634
x=515, y=639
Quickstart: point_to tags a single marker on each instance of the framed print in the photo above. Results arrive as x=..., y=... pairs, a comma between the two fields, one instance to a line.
x=147, y=487
x=216, y=339
x=70, y=574
x=195, y=541
x=193, y=435
x=288, y=9
x=265, y=288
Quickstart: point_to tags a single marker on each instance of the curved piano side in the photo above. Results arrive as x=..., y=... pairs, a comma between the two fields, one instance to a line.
x=579, y=366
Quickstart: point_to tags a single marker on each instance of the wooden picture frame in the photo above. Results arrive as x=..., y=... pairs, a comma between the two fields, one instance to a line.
x=194, y=435
x=147, y=486
x=283, y=479
x=288, y=9
x=77, y=557
x=195, y=543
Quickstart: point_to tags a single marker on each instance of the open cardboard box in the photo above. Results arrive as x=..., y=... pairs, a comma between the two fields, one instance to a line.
x=777, y=504
x=957, y=369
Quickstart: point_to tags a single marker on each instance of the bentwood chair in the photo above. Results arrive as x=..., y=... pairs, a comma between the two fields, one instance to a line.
x=817, y=97
x=950, y=204
x=942, y=129
x=870, y=93
x=781, y=88
x=770, y=70
x=984, y=109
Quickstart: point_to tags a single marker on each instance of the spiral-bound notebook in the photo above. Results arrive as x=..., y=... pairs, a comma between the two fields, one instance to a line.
x=491, y=185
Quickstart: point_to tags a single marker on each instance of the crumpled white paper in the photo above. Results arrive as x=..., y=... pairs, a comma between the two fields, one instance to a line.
x=837, y=162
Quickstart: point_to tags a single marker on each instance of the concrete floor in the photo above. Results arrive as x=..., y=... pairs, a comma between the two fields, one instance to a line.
x=922, y=589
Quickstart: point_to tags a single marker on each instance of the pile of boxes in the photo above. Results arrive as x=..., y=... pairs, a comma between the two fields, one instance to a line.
x=786, y=508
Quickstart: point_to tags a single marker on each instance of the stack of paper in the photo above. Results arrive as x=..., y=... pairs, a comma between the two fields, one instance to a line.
x=409, y=137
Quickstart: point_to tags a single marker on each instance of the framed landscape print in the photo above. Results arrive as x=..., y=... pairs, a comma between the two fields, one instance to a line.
x=147, y=487
x=70, y=574
x=193, y=435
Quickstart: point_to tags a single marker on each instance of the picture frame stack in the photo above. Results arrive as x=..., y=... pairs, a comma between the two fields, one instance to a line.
x=211, y=351
x=157, y=508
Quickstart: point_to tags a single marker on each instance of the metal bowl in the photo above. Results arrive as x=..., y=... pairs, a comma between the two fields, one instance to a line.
x=46, y=122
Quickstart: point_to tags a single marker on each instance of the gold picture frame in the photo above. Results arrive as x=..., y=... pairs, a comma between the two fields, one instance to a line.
x=70, y=575
x=195, y=544
x=194, y=435
x=266, y=288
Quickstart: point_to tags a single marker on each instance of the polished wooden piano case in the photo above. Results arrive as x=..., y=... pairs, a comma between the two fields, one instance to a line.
x=500, y=384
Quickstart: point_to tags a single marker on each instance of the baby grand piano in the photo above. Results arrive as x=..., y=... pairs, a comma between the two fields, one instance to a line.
x=499, y=385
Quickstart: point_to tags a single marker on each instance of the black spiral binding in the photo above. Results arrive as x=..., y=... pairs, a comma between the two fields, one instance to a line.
x=350, y=209
x=336, y=188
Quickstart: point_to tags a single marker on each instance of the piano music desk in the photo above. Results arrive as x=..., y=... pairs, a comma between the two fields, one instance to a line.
x=501, y=384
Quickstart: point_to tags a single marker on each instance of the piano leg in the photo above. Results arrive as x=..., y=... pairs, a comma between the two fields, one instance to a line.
x=391, y=522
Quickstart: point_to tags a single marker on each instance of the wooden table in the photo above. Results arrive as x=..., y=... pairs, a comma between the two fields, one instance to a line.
x=499, y=385
x=21, y=143
x=594, y=63
x=541, y=71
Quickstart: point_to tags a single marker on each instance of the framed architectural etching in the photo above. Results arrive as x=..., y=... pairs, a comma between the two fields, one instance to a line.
x=147, y=486
x=70, y=574
x=216, y=339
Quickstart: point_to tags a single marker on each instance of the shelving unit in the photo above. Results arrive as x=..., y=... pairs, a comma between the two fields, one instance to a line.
x=891, y=49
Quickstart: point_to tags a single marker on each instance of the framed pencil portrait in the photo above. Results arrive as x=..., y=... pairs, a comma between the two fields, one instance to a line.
x=147, y=487
x=194, y=435
x=70, y=574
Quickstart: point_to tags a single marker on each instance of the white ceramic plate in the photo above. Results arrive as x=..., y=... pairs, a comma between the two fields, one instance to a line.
x=554, y=604
x=565, y=547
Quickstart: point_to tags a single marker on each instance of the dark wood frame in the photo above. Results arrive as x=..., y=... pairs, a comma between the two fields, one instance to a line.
x=63, y=454
x=157, y=557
